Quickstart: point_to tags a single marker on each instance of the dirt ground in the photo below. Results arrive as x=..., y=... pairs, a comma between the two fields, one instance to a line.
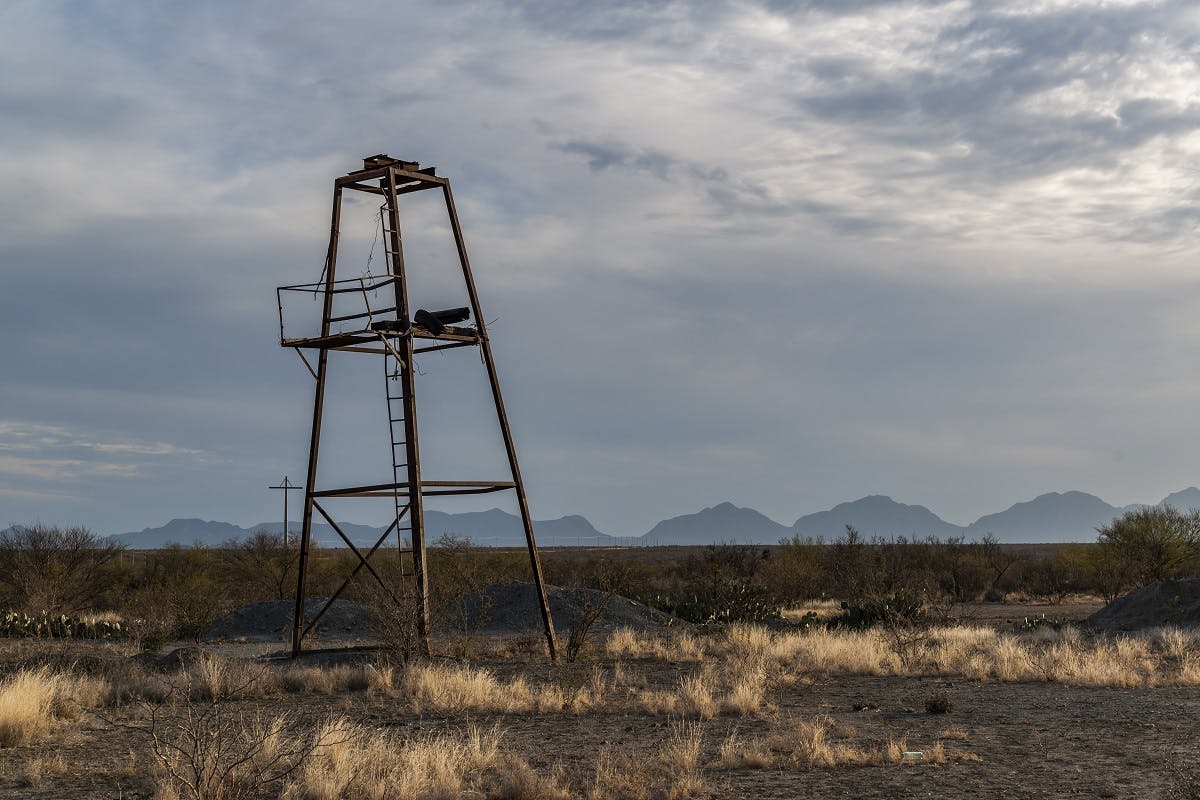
x=1031, y=740
x=1007, y=615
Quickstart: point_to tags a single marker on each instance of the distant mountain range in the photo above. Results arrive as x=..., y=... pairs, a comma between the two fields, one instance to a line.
x=1052, y=517
x=494, y=528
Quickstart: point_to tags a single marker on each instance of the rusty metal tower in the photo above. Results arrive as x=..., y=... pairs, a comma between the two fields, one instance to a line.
x=388, y=330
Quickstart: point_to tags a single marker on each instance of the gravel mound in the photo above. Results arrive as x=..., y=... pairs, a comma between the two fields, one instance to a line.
x=1174, y=603
x=497, y=609
x=514, y=608
x=268, y=622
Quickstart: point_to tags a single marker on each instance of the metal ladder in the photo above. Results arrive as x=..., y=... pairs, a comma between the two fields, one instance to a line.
x=395, y=407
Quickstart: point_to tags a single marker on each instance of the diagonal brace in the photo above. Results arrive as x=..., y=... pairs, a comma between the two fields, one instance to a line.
x=358, y=553
x=312, y=623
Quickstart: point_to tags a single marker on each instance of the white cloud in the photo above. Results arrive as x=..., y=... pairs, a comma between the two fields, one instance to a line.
x=728, y=234
x=52, y=455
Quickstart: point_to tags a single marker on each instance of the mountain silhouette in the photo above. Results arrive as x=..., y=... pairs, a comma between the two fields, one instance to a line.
x=875, y=515
x=724, y=523
x=1051, y=517
x=1184, y=500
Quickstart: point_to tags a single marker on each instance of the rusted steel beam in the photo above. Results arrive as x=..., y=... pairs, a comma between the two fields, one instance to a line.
x=387, y=487
x=403, y=177
x=407, y=189
x=337, y=528
x=358, y=285
x=314, y=444
x=436, y=347
x=488, y=489
x=362, y=314
x=341, y=340
x=337, y=593
x=510, y=449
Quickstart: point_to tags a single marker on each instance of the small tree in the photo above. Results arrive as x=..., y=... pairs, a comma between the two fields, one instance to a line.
x=794, y=572
x=263, y=563
x=54, y=569
x=1154, y=542
x=462, y=572
x=180, y=590
x=1059, y=574
x=998, y=559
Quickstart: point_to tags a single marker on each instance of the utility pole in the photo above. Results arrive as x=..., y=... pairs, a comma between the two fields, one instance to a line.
x=287, y=486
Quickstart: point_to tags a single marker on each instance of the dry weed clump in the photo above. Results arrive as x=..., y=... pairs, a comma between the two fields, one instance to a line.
x=38, y=768
x=457, y=688
x=693, y=697
x=212, y=750
x=32, y=700
x=329, y=679
x=815, y=743
x=678, y=646
x=449, y=688
x=735, y=752
x=350, y=761
x=674, y=774
x=747, y=695
x=215, y=678
x=807, y=743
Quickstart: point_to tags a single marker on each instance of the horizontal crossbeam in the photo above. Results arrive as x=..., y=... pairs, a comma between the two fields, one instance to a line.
x=344, y=340
x=427, y=488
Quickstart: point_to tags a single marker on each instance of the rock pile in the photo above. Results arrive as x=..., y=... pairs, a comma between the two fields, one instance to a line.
x=271, y=622
x=1175, y=603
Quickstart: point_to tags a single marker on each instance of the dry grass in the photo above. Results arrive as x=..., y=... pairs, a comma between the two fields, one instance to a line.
x=32, y=700
x=676, y=646
x=954, y=734
x=456, y=688
x=331, y=679
x=1162, y=657
x=674, y=774
x=692, y=697
x=350, y=761
x=824, y=609
x=224, y=755
x=214, y=677
x=738, y=753
x=36, y=769
x=814, y=743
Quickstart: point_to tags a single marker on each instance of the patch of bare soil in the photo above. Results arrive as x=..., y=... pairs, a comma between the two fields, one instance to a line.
x=1010, y=740
x=1009, y=615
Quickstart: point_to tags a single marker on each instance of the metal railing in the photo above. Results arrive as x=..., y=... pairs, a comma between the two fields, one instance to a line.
x=367, y=286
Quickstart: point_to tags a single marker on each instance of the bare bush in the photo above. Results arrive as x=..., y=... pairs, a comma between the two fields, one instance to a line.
x=55, y=569
x=591, y=611
x=262, y=565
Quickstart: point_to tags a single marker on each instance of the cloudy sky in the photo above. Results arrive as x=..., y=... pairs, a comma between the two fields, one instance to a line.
x=783, y=254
